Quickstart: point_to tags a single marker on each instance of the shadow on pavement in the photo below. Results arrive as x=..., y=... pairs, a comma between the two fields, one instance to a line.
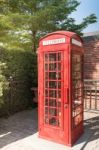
x=18, y=126
x=91, y=132
x=92, y=125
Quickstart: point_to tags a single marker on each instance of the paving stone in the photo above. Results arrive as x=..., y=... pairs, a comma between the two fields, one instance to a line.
x=19, y=132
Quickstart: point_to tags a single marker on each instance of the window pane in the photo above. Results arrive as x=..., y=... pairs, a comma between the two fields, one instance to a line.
x=46, y=67
x=46, y=120
x=46, y=110
x=52, y=84
x=46, y=75
x=46, y=102
x=52, y=66
x=59, y=94
x=59, y=75
x=59, y=104
x=59, y=66
x=46, y=57
x=53, y=121
x=53, y=57
x=46, y=93
x=77, y=119
x=46, y=84
x=59, y=56
x=52, y=102
x=53, y=93
x=59, y=85
x=55, y=75
x=53, y=112
x=52, y=75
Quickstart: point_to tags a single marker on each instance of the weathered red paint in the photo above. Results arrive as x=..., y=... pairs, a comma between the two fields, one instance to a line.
x=60, y=87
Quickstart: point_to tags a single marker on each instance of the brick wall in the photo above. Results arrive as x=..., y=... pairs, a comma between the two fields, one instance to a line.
x=91, y=57
x=91, y=71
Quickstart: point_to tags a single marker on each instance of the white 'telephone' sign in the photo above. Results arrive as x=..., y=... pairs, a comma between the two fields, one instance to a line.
x=54, y=41
x=76, y=42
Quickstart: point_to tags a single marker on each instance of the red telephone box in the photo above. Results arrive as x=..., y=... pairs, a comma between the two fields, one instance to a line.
x=60, y=87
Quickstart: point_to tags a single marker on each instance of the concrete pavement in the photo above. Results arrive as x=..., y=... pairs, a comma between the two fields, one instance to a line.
x=20, y=132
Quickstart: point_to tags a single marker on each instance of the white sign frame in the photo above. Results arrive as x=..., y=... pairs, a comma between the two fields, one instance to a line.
x=54, y=41
x=76, y=42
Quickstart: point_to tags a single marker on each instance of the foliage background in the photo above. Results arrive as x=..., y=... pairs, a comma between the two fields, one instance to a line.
x=18, y=73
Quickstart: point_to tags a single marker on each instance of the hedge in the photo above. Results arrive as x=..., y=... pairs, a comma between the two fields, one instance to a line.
x=18, y=73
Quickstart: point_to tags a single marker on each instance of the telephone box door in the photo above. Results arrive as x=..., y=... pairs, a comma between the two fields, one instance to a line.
x=54, y=111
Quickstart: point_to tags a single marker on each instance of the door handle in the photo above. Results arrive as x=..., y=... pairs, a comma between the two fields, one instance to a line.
x=66, y=95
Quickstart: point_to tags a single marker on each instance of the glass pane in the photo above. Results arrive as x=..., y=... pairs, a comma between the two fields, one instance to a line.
x=59, y=85
x=77, y=119
x=46, y=120
x=52, y=56
x=78, y=66
x=52, y=75
x=52, y=66
x=59, y=66
x=53, y=112
x=53, y=93
x=46, y=57
x=59, y=94
x=46, y=75
x=53, y=121
x=52, y=102
x=78, y=110
x=53, y=84
x=46, y=67
x=46, y=84
x=59, y=75
x=59, y=56
x=46, y=93
x=55, y=75
x=46, y=110
x=59, y=112
x=59, y=104
x=46, y=102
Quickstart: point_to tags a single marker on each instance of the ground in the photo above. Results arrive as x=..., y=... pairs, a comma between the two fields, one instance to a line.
x=19, y=132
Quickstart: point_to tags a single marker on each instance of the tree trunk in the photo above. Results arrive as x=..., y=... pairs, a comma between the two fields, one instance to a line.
x=34, y=41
